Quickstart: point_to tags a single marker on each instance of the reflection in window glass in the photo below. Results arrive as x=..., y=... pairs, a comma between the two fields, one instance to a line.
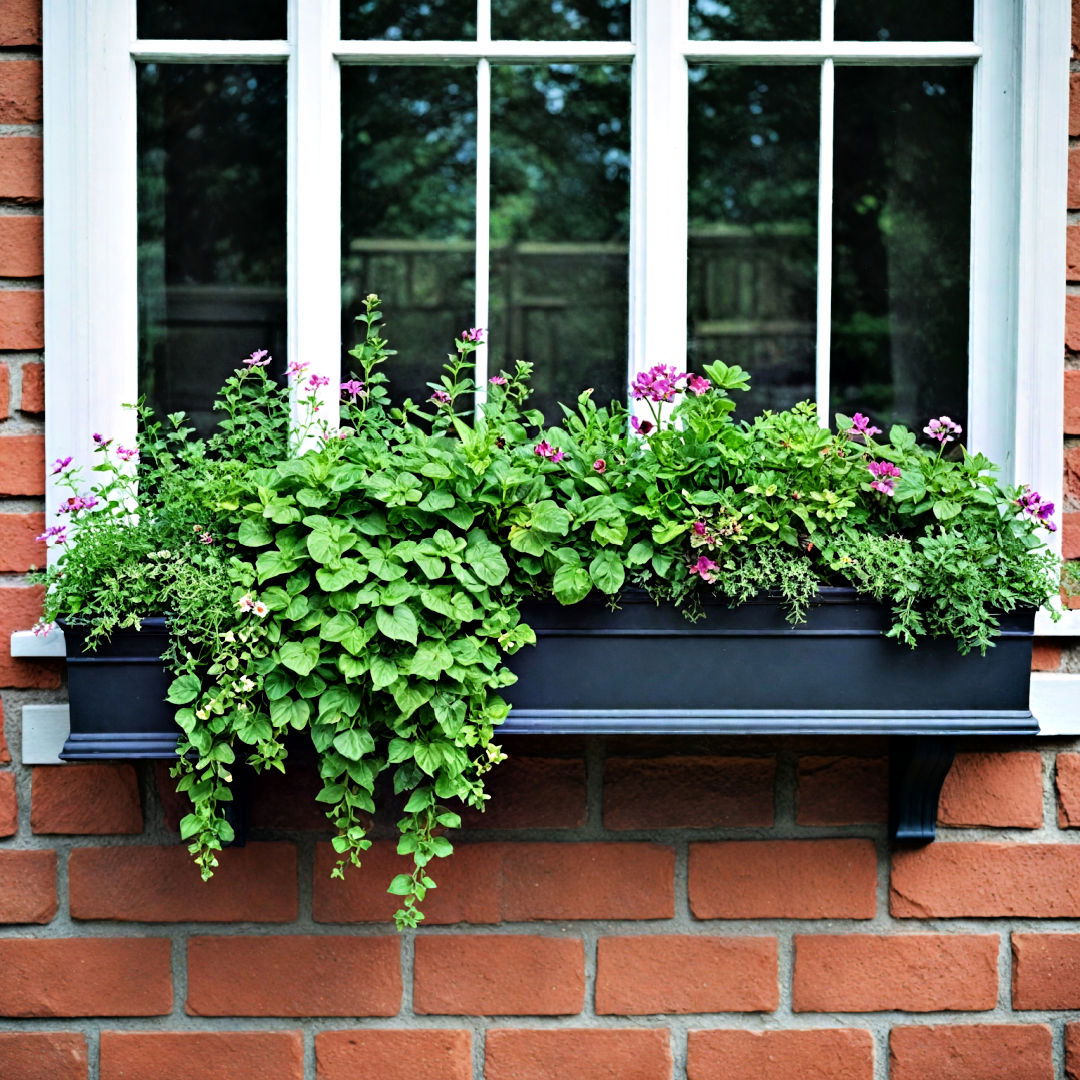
x=561, y=20
x=211, y=206
x=212, y=19
x=408, y=211
x=408, y=20
x=560, y=204
x=753, y=231
x=901, y=237
x=904, y=20
x=755, y=20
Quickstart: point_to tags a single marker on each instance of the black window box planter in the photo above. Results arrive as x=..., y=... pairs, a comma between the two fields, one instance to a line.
x=646, y=669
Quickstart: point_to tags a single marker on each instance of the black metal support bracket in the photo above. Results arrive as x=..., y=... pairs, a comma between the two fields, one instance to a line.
x=918, y=765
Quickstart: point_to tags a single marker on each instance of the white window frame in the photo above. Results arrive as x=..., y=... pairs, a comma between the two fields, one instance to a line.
x=1019, y=165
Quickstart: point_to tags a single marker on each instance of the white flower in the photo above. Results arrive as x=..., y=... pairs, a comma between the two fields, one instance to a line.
x=260, y=609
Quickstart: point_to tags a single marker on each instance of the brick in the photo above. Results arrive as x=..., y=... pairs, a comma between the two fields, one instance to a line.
x=22, y=326
x=1074, y=180
x=1074, y=104
x=1068, y=790
x=22, y=252
x=297, y=975
x=22, y=461
x=32, y=394
x=20, y=608
x=1072, y=1052
x=27, y=887
x=1072, y=395
x=255, y=883
x=1046, y=971
x=5, y=392
x=676, y=973
x=783, y=879
x=20, y=92
x=607, y=1054
x=946, y=880
x=908, y=972
x=499, y=975
x=1072, y=469
x=833, y=1054
x=201, y=1055
x=5, y=754
x=43, y=1055
x=174, y=804
x=1072, y=253
x=20, y=22
x=287, y=800
x=1002, y=790
x=19, y=550
x=688, y=792
x=20, y=174
x=842, y=791
x=1070, y=535
x=532, y=793
x=9, y=804
x=971, y=1052
x=1045, y=656
x=393, y=1055
x=81, y=800
x=1072, y=303
x=54, y=977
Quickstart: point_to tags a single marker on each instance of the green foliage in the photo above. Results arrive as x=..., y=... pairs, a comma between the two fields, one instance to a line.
x=367, y=590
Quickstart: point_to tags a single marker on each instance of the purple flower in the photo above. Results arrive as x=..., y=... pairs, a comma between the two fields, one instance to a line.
x=60, y=464
x=317, y=381
x=474, y=334
x=1031, y=502
x=704, y=567
x=125, y=454
x=101, y=440
x=860, y=425
x=943, y=429
x=497, y=380
x=259, y=358
x=599, y=466
x=440, y=397
x=56, y=534
x=659, y=383
x=697, y=384
x=544, y=449
x=700, y=528
x=354, y=388
x=885, y=475
x=296, y=368
x=641, y=427
x=78, y=502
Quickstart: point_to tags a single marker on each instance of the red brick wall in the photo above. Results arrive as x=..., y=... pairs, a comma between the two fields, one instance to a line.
x=635, y=908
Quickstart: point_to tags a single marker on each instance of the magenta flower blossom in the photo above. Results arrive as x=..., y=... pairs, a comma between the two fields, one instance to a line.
x=943, y=429
x=42, y=629
x=885, y=475
x=259, y=358
x=474, y=334
x=705, y=568
x=599, y=466
x=60, y=464
x=354, y=388
x=296, y=368
x=700, y=528
x=125, y=454
x=78, y=502
x=1031, y=503
x=317, y=381
x=497, y=380
x=697, y=384
x=860, y=425
x=641, y=427
x=101, y=440
x=544, y=449
x=55, y=534
x=659, y=383
x=440, y=397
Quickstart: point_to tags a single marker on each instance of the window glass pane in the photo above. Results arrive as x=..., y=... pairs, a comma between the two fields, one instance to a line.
x=901, y=238
x=212, y=19
x=408, y=20
x=753, y=227
x=211, y=184
x=408, y=211
x=755, y=20
x=560, y=205
x=561, y=20
x=904, y=20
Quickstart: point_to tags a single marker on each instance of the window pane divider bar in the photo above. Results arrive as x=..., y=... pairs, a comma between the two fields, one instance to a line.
x=826, y=156
x=208, y=52
x=842, y=52
x=483, y=216
x=412, y=52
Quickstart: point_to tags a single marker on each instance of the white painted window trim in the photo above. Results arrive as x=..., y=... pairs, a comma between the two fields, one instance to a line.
x=1019, y=158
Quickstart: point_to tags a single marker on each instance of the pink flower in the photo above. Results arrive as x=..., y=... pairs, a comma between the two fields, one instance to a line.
x=943, y=429
x=60, y=464
x=296, y=368
x=127, y=455
x=205, y=538
x=697, y=385
x=599, y=466
x=101, y=440
x=497, y=380
x=641, y=427
x=42, y=629
x=1031, y=502
x=354, y=388
x=245, y=603
x=259, y=358
x=474, y=334
x=705, y=568
x=440, y=397
x=544, y=449
x=860, y=425
x=317, y=381
x=885, y=475
x=659, y=383
x=56, y=534
x=700, y=528
x=78, y=502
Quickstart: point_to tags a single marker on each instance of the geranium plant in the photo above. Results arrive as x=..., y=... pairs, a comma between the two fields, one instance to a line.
x=364, y=584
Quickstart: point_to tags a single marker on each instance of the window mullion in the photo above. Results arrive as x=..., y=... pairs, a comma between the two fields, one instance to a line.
x=658, y=185
x=823, y=366
x=483, y=195
x=314, y=198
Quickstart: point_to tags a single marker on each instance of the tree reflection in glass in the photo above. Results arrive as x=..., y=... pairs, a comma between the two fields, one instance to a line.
x=755, y=20
x=561, y=20
x=408, y=20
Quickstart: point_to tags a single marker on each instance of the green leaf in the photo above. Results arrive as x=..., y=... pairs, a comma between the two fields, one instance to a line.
x=409, y=696
x=430, y=660
x=640, y=553
x=354, y=744
x=459, y=515
x=550, y=517
x=910, y=487
x=607, y=571
x=428, y=757
x=322, y=547
x=336, y=702
x=399, y=750
x=384, y=672
x=944, y=509
x=254, y=533
x=285, y=711
x=437, y=500
x=271, y=564
x=335, y=580
x=184, y=689
x=398, y=623
x=300, y=656
x=664, y=533
x=334, y=629
x=571, y=584
x=401, y=885
x=485, y=559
